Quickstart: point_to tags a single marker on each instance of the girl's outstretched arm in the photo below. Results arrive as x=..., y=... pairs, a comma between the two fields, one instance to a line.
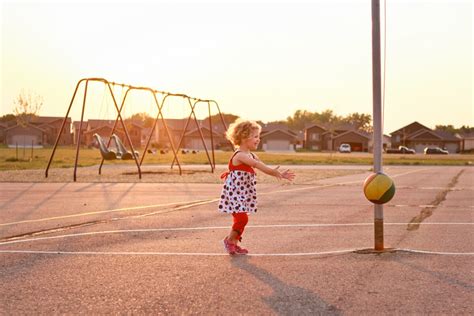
x=246, y=159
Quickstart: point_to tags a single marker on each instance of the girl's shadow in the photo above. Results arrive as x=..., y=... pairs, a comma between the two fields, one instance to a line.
x=286, y=299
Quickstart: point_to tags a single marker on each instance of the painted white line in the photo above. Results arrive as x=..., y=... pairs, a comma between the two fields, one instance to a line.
x=125, y=209
x=437, y=252
x=176, y=208
x=151, y=253
x=150, y=230
x=212, y=254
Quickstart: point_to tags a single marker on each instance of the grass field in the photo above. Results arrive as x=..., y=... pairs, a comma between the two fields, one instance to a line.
x=10, y=159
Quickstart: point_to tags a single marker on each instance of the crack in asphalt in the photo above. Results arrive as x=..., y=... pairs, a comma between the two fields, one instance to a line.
x=426, y=212
x=90, y=223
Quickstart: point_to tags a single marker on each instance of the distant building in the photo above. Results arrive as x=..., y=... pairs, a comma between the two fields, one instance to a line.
x=467, y=141
x=320, y=137
x=278, y=137
x=36, y=131
x=419, y=137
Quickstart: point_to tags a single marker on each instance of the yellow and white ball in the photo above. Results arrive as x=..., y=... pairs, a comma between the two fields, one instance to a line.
x=379, y=188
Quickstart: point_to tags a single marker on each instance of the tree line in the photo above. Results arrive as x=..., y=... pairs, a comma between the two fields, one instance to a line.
x=28, y=105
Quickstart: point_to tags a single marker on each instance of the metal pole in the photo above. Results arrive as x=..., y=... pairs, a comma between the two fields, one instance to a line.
x=212, y=138
x=182, y=137
x=377, y=113
x=165, y=126
x=200, y=132
x=62, y=127
x=80, y=130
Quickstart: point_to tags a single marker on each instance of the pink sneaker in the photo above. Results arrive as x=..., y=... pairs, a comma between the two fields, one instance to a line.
x=230, y=248
x=240, y=250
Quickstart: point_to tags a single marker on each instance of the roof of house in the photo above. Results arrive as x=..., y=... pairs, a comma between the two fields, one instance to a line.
x=409, y=126
x=310, y=125
x=27, y=125
x=446, y=135
x=285, y=131
x=47, y=119
x=97, y=123
x=216, y=133
x=176, y=124
x=363, y=134
x=421, y=132
x=98, y=128
x=466, y=135
x=277, y=126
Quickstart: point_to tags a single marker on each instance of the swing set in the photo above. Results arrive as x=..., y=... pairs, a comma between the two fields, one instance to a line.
x=132, y=154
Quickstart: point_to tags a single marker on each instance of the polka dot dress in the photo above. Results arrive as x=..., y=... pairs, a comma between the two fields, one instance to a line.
x=239, y=194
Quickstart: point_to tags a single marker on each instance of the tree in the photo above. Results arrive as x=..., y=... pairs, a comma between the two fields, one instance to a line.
x=27, y=106
x=216, y=119
x=446, y=128
x=326, y=117
x=360, y=121
x=7, y=118
x=451, y=129
x=143, y=117
x=300, y=119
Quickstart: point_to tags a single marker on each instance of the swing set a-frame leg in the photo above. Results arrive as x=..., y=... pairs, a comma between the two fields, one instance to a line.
x=62, y=128
x=160, y=114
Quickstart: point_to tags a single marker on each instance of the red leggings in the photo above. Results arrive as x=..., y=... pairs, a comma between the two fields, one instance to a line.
x=240, y=220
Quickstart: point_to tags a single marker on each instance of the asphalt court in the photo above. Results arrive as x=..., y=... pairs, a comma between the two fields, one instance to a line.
x=299, y=229
x=307, y=212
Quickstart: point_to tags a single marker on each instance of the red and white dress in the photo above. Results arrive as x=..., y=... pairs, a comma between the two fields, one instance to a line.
x=239, y=194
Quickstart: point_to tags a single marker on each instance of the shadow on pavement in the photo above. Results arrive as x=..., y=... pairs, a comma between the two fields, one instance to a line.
x=286, y=299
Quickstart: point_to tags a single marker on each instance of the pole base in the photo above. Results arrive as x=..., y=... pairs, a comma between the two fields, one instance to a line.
x=375, y=251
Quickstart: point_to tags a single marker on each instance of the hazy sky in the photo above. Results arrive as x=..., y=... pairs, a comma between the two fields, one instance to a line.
x=258, y=59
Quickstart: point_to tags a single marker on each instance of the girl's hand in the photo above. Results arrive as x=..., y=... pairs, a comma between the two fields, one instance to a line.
x=287, y=174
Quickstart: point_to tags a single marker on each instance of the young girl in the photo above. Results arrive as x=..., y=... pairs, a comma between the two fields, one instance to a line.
x=239, y=195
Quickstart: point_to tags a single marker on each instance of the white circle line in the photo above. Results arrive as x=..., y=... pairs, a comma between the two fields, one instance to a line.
x=212, y=254
x=147, y=230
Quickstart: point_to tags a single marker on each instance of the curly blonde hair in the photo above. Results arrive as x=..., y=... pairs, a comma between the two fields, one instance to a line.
x=240, y=130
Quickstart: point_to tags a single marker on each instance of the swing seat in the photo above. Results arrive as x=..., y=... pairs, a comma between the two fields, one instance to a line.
x=106, y=153
x=122, y=151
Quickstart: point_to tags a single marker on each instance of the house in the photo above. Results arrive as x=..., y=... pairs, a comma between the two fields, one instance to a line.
x=36, y=131
x=330, y=137
x=418, y=137
x=467, y=141
x=175, y=129
x=3, y=127
x=277, y=137
x=313, y=137
x=358, y=140
x=25, y=135
x=192, y=138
